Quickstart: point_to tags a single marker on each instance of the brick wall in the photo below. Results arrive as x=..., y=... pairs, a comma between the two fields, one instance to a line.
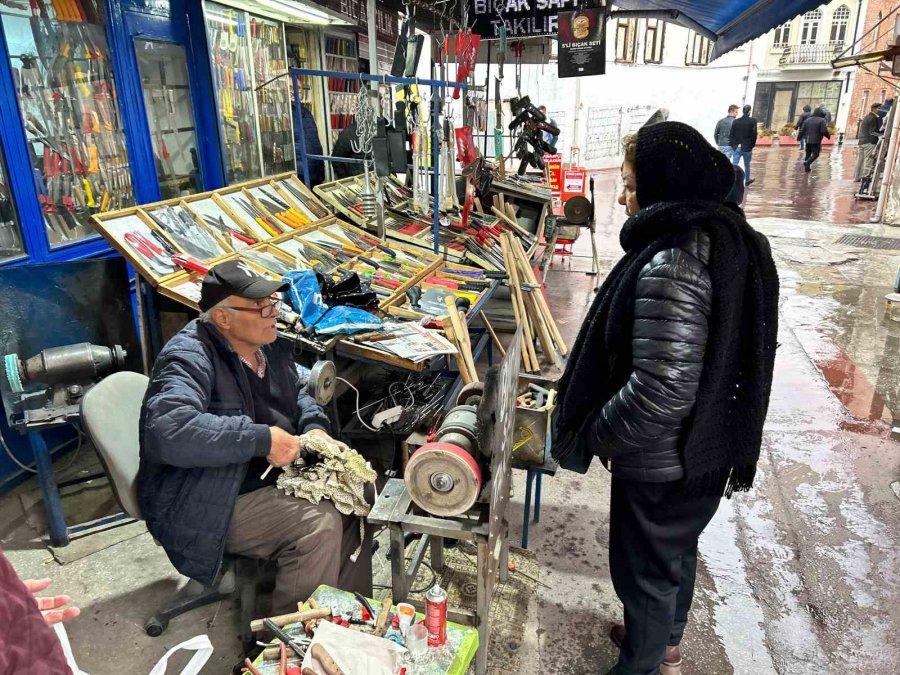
x=868, y=88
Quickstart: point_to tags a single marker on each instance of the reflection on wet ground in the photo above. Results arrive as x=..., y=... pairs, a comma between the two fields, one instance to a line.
x=801, y=575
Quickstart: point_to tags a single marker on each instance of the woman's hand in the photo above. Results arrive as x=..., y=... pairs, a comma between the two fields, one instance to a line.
x=54, y=607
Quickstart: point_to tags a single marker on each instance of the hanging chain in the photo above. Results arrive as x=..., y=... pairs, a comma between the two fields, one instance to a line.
x=366, y=122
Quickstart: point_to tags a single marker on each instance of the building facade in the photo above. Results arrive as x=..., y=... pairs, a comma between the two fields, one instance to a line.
x=874, y=83
x=795, y=65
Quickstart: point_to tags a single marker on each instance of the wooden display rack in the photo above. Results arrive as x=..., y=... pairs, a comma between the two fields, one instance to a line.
x=322, y=230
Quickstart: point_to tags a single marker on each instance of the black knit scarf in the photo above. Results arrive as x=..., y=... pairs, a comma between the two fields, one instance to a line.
x=722, y=438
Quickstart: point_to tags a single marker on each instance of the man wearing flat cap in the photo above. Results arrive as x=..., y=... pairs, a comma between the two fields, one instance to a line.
x=225, y=402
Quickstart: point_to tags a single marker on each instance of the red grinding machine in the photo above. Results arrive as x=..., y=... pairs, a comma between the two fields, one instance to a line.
x=446, y=475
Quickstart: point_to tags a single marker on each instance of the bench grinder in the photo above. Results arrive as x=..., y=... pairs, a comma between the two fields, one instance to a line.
x=69, y=371
x=445, y=476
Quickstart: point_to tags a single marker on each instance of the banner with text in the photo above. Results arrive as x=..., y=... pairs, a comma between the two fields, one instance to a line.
x=524, y=18
x=582, y=43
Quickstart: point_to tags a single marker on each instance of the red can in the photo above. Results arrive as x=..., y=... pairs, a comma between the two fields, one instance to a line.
x=436, y=616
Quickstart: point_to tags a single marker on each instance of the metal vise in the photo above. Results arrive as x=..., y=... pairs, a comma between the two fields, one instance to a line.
x=70, y=371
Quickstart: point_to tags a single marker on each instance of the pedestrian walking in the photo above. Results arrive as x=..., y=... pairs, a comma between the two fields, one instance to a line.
x=814, y=129
x=722, y=133
x=868, y=137
x=743, y=140
x=807, y=111
x=669, y=379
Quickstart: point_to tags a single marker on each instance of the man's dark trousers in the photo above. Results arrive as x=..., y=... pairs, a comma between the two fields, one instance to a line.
x=812, y=153
x=653, y=531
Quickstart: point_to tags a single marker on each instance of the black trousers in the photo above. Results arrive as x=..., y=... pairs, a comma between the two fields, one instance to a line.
x=812, y=153
x=653, y=532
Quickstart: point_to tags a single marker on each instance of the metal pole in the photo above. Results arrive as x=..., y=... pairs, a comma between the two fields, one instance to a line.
x=373, y=37
x=890, y=160
x=435, y=160
x=487, y=89
x=303, y=161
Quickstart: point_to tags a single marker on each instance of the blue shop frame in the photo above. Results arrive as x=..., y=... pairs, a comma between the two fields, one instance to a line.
x=125, y=20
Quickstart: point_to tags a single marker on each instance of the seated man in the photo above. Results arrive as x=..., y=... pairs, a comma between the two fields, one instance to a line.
x=225, y=402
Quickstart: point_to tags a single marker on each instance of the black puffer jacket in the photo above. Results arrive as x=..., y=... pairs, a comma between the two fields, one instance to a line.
x=640, y=427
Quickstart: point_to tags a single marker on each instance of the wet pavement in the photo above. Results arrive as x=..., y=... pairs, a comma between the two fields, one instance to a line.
x=801, y=575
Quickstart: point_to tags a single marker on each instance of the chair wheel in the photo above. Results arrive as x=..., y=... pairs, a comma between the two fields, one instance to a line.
x=155, y=627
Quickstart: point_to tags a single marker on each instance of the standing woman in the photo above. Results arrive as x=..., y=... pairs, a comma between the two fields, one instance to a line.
x=669, y=379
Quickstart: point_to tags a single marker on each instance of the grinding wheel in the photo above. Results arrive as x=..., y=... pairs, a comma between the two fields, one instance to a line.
x=443, y=479
x=321, y=382
x=473, y=390
x=578, y=210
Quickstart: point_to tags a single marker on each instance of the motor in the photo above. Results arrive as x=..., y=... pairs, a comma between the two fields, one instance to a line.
x=445, y=476
x=70, y=371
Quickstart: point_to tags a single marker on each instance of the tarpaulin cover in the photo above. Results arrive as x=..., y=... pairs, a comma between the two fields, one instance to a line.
x=733, y=21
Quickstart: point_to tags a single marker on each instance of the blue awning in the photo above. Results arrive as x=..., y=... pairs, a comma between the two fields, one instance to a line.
x=733, y=22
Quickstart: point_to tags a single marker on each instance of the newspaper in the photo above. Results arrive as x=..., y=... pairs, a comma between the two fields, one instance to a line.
x=412, y=342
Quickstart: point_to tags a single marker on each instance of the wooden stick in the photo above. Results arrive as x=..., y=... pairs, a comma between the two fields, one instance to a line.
x=542, y=301
x=543, y=334
x=478, y=206
x=511, y=212
x=468, y=339
x=536, y=315
x=515, y=305
x=462, y=337
x=490, y=330
x=531, y=362
x=297, y=617
x=381, y=622
x=461, y=363
x=514, y=225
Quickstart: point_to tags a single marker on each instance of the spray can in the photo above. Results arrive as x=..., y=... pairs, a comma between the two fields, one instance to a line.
x=436, y=616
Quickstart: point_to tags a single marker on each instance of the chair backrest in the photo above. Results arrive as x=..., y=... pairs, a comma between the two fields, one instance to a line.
x=110, y=412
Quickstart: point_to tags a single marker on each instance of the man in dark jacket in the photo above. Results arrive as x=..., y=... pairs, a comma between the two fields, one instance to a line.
x=743, y=140
x=723, y=131
x=807, y=111
x=813, y=131
x=343, y=147
x=313, y=145
x=224, y=403
x=868, y=137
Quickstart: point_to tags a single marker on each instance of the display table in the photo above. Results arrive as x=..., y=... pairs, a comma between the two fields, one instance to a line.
x=453, y=658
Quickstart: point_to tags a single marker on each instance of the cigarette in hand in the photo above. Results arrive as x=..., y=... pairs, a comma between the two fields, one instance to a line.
x=266, y=472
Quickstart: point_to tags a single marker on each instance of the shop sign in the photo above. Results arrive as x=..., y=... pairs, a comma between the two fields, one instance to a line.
x=554, y=173
x=573, y=183
x=523, y=18
x=582, y=43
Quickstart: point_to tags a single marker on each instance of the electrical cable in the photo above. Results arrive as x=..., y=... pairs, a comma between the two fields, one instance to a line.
x=358, y=416
x=79, y=437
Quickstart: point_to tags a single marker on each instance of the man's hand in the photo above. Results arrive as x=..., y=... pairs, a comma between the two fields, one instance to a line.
x=285, y=447
x=321, y=433
x=53, y=608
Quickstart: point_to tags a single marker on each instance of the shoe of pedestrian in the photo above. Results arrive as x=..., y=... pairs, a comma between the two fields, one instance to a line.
x=806, y=167
x=752, y=180
x=673, y=653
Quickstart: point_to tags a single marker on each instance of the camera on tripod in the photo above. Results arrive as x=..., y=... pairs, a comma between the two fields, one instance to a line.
x=530, y=146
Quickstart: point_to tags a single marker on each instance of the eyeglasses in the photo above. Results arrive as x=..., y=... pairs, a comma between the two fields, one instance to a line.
x=265, y=312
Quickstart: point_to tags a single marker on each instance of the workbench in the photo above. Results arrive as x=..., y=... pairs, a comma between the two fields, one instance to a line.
x=453, y=658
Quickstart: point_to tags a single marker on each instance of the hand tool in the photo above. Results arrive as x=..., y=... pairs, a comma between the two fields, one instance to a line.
x=298, y=648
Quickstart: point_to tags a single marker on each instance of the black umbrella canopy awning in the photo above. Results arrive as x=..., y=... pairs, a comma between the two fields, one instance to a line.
x=731, y=22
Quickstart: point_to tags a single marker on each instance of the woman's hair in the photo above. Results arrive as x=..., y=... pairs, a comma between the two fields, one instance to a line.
x=629, y=143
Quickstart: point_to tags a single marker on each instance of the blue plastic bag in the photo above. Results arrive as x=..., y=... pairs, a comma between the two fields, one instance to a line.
x=306, y=298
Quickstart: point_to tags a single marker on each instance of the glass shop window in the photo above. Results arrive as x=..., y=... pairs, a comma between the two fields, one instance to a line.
x=10, y=232
x=67, y=97
x=170, y=116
